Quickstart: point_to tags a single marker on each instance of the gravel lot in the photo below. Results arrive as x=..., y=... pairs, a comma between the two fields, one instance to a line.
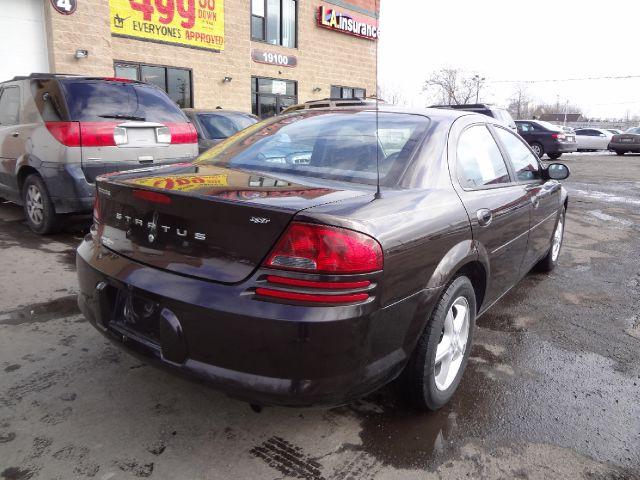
x=552, y=389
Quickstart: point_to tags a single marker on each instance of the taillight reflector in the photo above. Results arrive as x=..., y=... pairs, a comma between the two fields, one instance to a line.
x=153, y=197
x=306, y=297
x=294, y=282
x=182, y=133
x=67, y=133
x=323, y=249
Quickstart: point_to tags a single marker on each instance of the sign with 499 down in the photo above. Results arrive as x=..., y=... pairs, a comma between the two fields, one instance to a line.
x=189, y=23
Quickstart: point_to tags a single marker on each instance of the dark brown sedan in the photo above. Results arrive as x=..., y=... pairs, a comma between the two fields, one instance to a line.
x=274, y=268
x=627, y=142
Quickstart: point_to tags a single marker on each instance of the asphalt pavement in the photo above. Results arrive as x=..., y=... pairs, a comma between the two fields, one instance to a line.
x=552, y=389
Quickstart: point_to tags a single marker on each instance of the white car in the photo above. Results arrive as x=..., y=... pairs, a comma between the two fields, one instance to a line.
x=593, y=139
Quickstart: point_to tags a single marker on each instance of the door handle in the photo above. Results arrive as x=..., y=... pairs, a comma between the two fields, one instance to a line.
x=15, y=134
x=485, y=217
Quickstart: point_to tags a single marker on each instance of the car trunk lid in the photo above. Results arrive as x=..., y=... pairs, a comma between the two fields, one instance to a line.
x=206, y=222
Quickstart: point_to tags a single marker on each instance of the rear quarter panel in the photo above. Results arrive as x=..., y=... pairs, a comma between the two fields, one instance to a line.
x=417, y=229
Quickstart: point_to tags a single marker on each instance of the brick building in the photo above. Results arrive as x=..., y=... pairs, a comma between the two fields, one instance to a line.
x=250, y=55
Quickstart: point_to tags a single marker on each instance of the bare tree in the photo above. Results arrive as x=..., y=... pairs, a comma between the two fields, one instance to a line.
x=392, y=94
x=451, y=87
x=520, y=103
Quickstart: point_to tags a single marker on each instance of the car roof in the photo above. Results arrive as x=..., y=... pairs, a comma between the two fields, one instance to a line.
x=435, y=114
x=69, y=76
x=216, y=110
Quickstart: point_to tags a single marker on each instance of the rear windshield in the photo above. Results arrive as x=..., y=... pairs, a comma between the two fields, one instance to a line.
x=634, y=130
x=95, y=101
x=340, y=146
x=218, y=126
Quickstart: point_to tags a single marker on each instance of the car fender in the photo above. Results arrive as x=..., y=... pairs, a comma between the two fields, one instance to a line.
x=456, y=258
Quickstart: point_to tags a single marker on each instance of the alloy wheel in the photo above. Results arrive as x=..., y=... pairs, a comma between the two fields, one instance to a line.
x=537, y=150
x=557, y=240
x=453, y=343
x=35, y=205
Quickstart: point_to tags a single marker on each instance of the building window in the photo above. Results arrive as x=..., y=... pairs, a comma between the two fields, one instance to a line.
x=175, y=81
x=269, y=96
x=275, y=22
x=347, y=92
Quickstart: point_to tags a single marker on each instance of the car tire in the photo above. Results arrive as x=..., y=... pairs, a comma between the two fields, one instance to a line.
x=38, y=207
x=554, y=156
x=550, y=260
x=620, y=153
x=538, y=149
x=427, y=386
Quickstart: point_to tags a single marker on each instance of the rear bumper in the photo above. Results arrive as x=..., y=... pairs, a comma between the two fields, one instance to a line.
x=624, y=147
x=562, y=147
x=261, y=352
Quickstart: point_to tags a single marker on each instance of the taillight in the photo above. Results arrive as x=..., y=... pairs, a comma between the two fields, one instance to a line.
x=87, y=134
x=67, y=133
x=312, y=297
x=98, y=134
x=558, y=136
x=323, y=249
x=182, y=133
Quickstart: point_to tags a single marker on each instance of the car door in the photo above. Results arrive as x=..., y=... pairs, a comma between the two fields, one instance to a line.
x=601, y=139
x=583, y=139
x=525, y=130
x=498, y=207
x=11, y=144
x=543, y=195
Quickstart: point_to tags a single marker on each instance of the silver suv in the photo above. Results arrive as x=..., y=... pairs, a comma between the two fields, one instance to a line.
x=58, y=132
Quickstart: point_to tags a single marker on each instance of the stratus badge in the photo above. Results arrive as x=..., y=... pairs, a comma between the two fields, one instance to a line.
x=260, y=220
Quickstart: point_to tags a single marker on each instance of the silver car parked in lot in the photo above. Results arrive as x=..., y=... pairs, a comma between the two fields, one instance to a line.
x=58, y=132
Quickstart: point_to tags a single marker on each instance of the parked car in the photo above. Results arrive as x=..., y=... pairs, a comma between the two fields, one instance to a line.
x=492, y=111
x=627, y=142
x=566, y=129
x=544, y=137
x=592, y=139
x=59, y=132
x=317, y=283
x=333, y=103
x=214, y=126
x=615, y=131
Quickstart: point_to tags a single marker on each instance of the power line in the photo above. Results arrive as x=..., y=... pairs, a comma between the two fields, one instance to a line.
x=559, y=80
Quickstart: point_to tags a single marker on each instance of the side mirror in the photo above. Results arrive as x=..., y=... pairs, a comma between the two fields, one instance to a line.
x=558, y=171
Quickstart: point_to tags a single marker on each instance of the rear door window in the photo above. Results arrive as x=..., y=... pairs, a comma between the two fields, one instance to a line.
x=525, y=163
x=480, y=163
x=10, y=106
x=95, y=101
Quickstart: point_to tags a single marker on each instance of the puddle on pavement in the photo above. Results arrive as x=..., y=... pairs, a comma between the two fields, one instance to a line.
x=42, y=312
x=397, y=434
x=514, y=393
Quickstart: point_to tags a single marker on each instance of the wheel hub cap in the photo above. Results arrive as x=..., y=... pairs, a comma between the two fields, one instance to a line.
x=35, y=206
x=453, y=343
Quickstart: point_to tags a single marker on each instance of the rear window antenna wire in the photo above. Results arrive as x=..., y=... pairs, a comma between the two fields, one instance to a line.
x=378, y=194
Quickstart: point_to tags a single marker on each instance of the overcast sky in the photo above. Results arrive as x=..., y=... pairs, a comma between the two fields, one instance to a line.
x=511, y=40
